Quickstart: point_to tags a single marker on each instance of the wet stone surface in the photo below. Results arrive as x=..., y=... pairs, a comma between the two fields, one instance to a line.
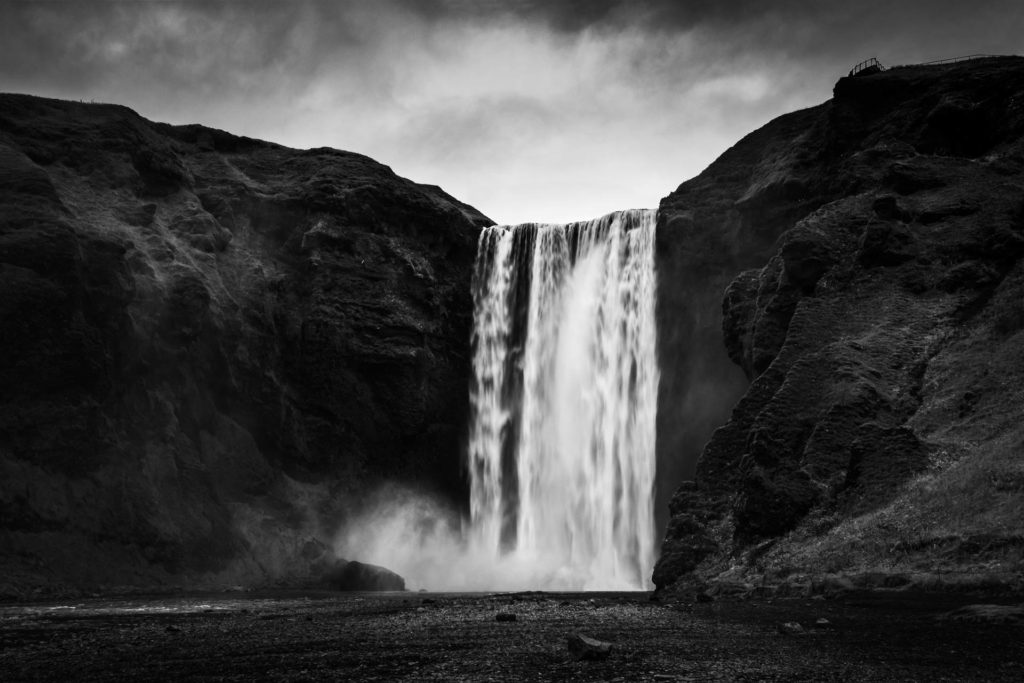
x=412, y=636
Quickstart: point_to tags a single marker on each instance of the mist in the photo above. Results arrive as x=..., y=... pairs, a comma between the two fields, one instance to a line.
x=429, y=544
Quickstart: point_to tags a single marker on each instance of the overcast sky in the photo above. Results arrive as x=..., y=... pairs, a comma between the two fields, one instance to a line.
x=529, y=110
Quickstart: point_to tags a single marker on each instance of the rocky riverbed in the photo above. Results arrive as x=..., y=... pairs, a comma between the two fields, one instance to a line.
x=421, y=636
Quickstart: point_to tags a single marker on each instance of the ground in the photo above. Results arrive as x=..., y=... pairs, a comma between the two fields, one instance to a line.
x=421, y=636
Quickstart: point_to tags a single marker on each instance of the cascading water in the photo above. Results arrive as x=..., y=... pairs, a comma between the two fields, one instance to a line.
x=562, y=438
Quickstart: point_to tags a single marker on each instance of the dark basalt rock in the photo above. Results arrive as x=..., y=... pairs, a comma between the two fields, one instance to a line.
x=888, y=208
x=885, y=244
x=986, y=614
x=790, y=628
x=213, y=346
x=771, y=502
x=585, y=648
x=868, y=252
x=357, y=576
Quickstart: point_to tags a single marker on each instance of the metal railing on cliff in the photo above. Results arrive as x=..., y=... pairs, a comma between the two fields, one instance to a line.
x=876, y=66
x=867, y=64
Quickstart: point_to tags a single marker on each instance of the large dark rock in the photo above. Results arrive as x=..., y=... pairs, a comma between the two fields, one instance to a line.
x=213, y=346
x=986, y=614
x=585, y=648
x=866, y=257
x=357, y=576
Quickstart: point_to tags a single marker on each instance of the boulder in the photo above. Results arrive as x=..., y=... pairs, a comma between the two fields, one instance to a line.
x=358, y=576
x=790, y=628
x=584, y=648
x=986, y=614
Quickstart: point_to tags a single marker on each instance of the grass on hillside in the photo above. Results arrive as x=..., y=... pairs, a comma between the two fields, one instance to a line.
x=965, y=516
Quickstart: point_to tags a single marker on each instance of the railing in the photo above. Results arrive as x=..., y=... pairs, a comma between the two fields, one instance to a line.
x=866, y=64
x=951, y=60
x=873, y=62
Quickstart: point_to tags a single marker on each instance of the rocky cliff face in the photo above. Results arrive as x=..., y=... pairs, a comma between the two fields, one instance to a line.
x=869, y=250
x=212, y=346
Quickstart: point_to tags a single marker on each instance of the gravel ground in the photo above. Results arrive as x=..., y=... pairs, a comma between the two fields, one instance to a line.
x=419, y=636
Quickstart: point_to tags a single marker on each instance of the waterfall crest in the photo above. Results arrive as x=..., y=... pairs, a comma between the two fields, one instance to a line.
x=561, y=450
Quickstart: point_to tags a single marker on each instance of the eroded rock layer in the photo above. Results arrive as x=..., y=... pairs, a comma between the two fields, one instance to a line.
x=869, y=253
x=211, y=346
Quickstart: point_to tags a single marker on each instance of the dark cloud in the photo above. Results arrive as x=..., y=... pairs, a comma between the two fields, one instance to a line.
x=77, y=44
x=218, y=43
x=801, y=28
x=672, y=15
x=563, y=15
x=506, y=102
x=181, y=44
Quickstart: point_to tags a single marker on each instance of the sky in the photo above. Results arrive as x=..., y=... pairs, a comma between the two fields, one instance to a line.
x=529, y=110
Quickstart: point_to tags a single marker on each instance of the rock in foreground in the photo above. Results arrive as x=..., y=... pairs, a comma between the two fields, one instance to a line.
x=584, y=648
x=986, y=614
x=357, y=576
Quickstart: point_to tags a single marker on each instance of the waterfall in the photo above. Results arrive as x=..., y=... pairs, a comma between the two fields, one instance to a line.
x=561, y=452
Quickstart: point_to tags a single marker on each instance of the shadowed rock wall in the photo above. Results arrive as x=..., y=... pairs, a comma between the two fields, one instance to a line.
x=866, y=257
x=212, y=346
x=712, y=227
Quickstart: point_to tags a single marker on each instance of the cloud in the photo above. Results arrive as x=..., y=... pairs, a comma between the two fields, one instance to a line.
x=553, y=110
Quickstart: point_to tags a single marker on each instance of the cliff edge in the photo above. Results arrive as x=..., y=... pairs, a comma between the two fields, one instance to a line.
x=869, y=250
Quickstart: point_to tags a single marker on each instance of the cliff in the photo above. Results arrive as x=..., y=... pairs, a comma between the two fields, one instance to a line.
x=869, y=250
x=212, y=346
